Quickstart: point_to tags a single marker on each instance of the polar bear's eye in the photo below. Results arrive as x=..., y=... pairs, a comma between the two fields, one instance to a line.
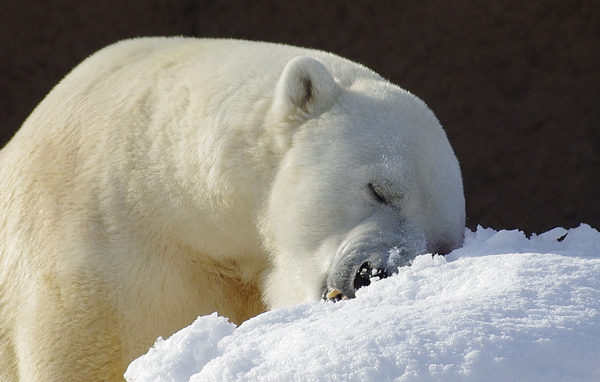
x=377, y=194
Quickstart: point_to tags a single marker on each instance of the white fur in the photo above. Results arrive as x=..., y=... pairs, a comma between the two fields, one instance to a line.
x=166, y=178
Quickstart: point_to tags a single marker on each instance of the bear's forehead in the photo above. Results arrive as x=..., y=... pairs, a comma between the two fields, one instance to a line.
x=399, y=118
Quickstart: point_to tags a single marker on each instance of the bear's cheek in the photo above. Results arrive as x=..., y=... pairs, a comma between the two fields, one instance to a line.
x=306, y=213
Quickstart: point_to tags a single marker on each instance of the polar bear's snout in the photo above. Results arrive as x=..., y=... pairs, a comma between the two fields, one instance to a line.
x=359, y=268
x=370, y=258
x=363, y=277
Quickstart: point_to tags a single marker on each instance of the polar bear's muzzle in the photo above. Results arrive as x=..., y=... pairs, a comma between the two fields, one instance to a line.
x=369, y=253
x=364, y=275
x=358, y=269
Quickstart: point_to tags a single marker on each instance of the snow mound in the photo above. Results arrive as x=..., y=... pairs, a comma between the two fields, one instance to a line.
x=503, y=307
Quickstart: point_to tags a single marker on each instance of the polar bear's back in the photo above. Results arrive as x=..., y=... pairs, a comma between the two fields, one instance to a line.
x=216, y=60
x=210, y=72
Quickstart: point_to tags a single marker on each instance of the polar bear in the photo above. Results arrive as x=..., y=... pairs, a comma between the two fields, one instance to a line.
x=166, y=178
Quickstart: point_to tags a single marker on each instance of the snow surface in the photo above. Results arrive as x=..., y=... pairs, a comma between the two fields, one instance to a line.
x=502, y=308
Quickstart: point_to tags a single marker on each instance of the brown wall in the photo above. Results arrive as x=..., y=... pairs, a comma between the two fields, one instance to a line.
x=515, y=83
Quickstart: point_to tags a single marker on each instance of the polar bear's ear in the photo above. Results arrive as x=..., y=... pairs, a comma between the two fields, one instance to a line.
x=305, y=90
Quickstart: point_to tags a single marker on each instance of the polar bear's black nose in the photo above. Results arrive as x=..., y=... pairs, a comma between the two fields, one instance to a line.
x=366, y=273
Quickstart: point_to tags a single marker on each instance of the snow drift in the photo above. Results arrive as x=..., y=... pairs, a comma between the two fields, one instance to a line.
x=502, y=308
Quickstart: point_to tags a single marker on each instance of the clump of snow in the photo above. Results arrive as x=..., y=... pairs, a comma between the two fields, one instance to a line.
x=503, y=307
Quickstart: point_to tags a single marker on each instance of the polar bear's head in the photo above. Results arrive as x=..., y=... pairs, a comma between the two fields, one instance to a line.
x=367, y=181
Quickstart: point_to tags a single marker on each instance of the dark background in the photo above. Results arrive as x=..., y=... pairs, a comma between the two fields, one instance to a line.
x=515, y=83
